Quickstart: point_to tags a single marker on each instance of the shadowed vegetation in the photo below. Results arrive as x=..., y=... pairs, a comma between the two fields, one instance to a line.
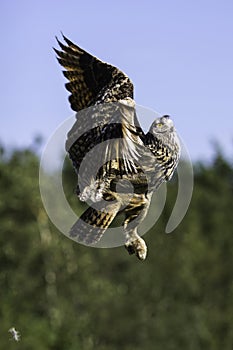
x=61, y=295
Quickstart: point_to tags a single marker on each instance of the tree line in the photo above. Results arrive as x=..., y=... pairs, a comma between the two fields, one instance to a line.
x=62, y=295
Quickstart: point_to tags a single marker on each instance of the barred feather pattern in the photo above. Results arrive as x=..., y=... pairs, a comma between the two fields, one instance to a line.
x=107, y=133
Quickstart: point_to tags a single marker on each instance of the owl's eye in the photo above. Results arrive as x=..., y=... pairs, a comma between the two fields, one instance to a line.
x=159, y=125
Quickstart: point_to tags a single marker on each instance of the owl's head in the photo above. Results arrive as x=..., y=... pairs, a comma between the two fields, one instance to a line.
x=162, y=125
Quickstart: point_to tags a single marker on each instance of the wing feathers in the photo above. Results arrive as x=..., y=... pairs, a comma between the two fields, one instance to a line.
x=95, y=81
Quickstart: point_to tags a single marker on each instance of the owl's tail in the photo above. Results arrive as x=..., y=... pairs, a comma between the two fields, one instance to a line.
x=92, y=224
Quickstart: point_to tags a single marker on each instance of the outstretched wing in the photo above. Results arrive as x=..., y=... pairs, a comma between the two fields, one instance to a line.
x=108, y=93
x=91, y=81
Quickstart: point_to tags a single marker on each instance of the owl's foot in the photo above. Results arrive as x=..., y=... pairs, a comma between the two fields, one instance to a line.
x=138, y=247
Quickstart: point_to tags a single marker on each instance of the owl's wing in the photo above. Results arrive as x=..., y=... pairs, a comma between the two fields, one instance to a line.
x=107, y=151
x=101, y=94
x=91, y=81
x=122, y=142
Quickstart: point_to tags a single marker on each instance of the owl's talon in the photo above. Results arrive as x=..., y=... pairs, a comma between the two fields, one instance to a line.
x=138, y=247
x=130, y=248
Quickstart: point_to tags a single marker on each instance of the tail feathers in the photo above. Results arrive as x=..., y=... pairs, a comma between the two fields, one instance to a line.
x=92, y=224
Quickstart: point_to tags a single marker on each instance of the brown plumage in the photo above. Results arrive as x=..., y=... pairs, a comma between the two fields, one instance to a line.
x=118, y=165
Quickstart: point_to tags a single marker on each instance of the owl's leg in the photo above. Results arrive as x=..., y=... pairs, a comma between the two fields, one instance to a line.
x=135, y=212
x=135, y=244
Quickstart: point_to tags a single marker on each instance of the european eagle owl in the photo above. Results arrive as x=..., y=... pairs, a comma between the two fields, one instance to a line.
x=131, y=164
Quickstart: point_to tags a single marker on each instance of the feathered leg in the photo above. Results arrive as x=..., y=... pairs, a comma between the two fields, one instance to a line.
x=135, y=244
x=135, y=213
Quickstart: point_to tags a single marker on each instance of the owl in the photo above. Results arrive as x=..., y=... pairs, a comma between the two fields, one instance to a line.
x=117, y=164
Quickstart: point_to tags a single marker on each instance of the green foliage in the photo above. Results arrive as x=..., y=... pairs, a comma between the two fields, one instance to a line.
x=61, y=295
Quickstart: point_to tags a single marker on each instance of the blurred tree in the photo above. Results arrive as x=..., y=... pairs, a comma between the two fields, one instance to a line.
x=61, y=295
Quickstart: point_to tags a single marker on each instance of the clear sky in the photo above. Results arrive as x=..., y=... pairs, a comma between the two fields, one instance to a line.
x=179, y=54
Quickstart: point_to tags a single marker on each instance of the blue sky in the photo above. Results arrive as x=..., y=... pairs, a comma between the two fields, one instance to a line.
x=179, y=54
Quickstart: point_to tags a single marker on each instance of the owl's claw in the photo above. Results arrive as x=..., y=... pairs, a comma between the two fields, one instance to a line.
x=138, y=247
